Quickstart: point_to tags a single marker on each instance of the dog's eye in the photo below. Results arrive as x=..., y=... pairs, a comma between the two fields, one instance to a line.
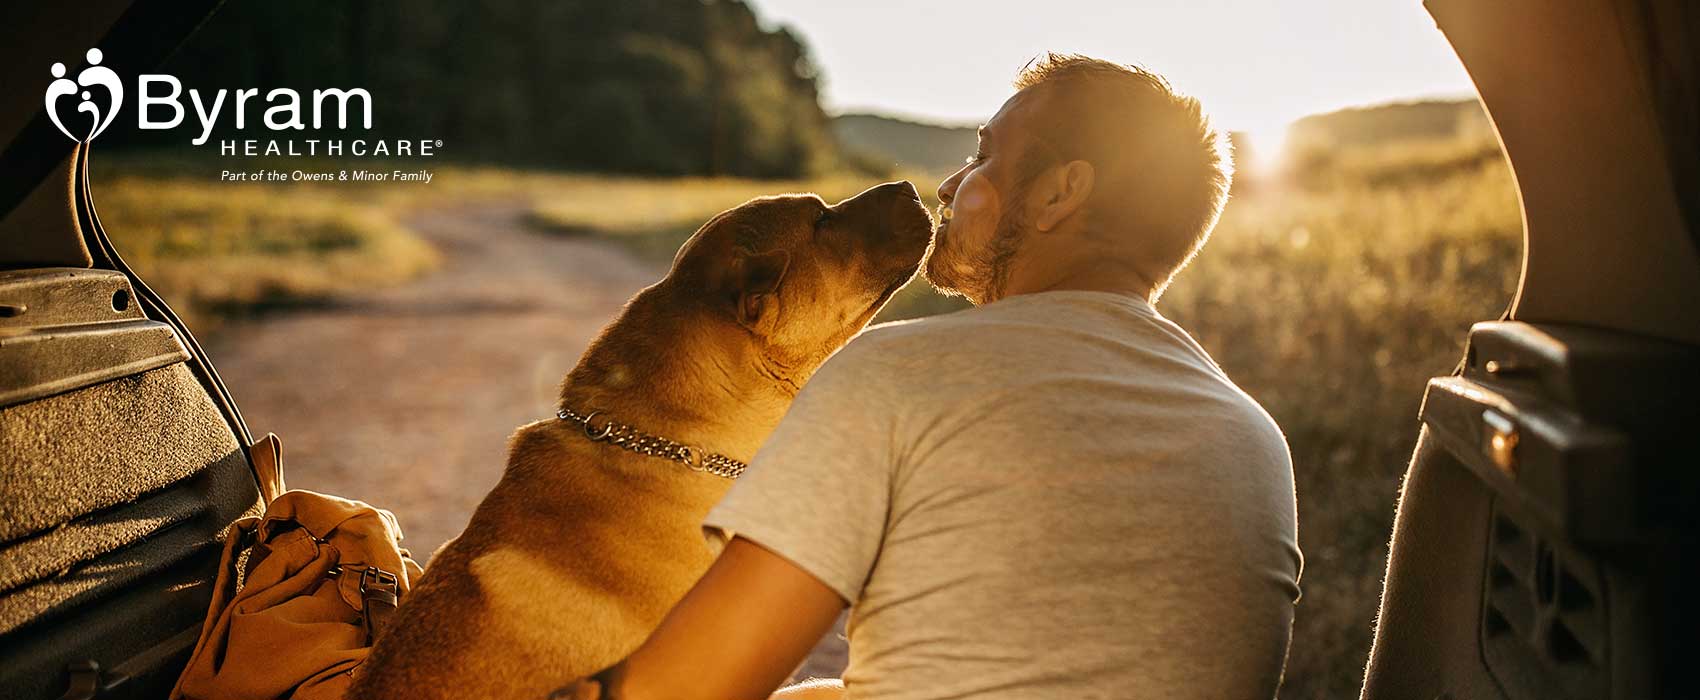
x=820, y=221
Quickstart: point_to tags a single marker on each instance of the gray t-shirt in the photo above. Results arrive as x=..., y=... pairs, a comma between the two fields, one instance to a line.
x=1058, y=495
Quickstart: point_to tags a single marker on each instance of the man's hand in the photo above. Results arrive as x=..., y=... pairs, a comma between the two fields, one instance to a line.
x=591, y=689
x=587, y=689
x=812, y=690
x=736, y=635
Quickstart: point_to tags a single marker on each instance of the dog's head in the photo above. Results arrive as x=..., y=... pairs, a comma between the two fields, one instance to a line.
x=792, y=277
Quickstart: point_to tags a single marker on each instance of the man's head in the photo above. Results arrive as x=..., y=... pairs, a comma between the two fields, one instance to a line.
x=1091, y=170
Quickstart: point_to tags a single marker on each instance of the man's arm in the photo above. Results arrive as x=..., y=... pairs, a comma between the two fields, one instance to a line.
x=736, y=635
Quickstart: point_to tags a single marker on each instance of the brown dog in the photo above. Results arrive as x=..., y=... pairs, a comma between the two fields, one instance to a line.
x=575, y=556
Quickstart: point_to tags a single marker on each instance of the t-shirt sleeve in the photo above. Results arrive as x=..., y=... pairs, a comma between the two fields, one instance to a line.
x=818, y=491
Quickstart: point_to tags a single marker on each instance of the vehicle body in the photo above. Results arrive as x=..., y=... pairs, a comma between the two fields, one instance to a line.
x=122, y=459
x=1546, y=526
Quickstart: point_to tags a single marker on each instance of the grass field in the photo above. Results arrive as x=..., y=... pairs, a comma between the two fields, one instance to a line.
x=1330, y=294
x=218, y=250
x=1331, y=298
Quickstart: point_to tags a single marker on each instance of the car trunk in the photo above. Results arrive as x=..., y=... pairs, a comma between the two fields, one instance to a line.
x=1543, y=542
x=122, y=459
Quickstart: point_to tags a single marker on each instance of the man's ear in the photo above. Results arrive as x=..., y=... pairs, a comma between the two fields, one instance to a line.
x=1066, y=190
x=756, y=278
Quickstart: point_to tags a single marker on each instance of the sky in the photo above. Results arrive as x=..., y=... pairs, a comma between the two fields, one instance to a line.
x=1256, y=66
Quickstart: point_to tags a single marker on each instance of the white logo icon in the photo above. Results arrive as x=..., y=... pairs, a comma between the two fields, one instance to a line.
x=95, y=74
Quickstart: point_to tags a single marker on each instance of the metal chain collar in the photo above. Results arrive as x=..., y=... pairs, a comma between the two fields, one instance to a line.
x=625, y=436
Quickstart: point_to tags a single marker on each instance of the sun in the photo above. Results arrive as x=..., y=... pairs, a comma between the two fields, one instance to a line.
x=1267, y=138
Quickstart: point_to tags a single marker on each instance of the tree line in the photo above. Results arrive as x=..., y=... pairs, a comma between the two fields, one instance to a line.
x=675, y=87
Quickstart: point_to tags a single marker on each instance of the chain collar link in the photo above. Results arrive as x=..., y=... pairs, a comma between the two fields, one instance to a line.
x=625, y=436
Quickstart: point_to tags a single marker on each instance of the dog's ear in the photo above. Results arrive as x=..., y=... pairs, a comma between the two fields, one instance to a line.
x=755, y=282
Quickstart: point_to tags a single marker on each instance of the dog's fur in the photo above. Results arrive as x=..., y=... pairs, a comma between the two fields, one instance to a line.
x=576, y=555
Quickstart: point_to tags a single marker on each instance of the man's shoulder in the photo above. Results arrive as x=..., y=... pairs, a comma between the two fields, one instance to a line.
x=902, y=351
x=956, y=325
x=917, y=339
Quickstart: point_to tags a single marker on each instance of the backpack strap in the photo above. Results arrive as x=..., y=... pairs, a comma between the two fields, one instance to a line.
x=266, y=455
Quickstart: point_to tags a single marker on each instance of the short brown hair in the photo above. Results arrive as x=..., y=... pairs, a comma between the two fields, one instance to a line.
x=1162, y=172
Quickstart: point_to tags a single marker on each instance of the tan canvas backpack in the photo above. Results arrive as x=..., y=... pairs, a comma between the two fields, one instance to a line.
x=302, y=592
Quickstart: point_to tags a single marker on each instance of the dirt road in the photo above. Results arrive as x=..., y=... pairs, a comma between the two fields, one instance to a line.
x=404, y=398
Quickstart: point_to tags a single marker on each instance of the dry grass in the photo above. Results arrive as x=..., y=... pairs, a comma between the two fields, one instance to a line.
x=1332, y=305
x=641, y=206
x=217, y=250
x=652, y=217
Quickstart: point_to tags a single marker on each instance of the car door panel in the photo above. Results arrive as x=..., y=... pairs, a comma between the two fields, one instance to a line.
x=122, y=466
x=1542, y=539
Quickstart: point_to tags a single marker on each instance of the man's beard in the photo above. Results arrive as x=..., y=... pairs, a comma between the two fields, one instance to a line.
x=977, y=275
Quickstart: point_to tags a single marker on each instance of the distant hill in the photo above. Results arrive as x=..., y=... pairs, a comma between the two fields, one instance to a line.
x=902, y=144
x=1429, y=120
x=895, y=143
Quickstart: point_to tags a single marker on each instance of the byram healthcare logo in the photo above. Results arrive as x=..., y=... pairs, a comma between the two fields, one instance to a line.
x=94, y=75
x=159, y=106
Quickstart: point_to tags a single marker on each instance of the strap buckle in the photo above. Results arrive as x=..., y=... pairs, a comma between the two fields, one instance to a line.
x=380, y=593
x=378, y=583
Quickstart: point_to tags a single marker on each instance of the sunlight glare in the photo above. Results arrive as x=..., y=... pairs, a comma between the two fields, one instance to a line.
x=1266, y=140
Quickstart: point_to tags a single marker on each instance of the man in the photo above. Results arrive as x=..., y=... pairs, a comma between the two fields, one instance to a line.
x=1054, y=495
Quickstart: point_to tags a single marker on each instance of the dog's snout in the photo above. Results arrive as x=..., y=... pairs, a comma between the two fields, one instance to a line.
x=901, y=188
x=893, y=211
x=898, y=191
